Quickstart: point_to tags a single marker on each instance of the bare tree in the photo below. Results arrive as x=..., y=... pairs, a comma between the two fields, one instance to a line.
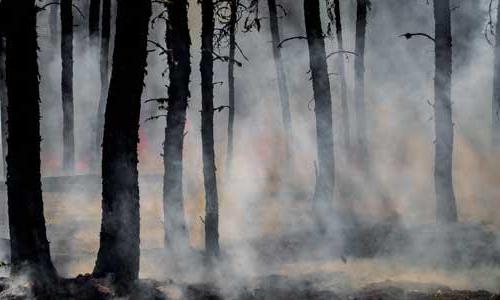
x=119, y=240
x=3, y=104
x=233, y=21
x=495, y=116
x=94, y=13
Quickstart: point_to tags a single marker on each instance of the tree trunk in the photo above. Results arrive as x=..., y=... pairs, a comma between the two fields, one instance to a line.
x=104, y=72
x=54, y=9
x=495, y=116
x=230, y=74
x=67, y=85
x=443, y=159
x=207, y=130
x=29, y=246
x=282, y=84
x=94, y=11
x=323, y=111
x=119, y=240
x=359, y=86
x=3, y=105
x=178, y=43
x=343, y=84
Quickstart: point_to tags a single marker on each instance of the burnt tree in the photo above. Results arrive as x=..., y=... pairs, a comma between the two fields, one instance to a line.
x=30, y=253
x=67, y=85
x=495, y=116
x=178, y=43
x=3, y=104
x=233, y=21
x=53, y=28
x=323, y=110
x=446, y=208
x=207, y=129
x=94, y=13
x=119, y=239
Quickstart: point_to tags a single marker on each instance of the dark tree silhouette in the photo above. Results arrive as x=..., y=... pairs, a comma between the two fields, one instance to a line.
x=323, y=110
x=207, y=129
x=29, y=246
x=178, y=43
x=233, y=21
x=359, y=85
x=3, y=104
x=53, y=20
x=282, y=84
x=94, y=13
x=495, y=116
x=67, y=85
x=119, y=240
x=443, y=159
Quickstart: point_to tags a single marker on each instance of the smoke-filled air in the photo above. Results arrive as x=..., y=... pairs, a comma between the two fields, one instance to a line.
x=250, y=149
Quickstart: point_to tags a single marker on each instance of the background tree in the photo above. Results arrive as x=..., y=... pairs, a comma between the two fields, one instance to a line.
x=495, y=116
x=94, y=14
x=233, y=22
x=323, y=111
x=3, y=104
x=119, y=240
x=30, y=253
x=67, y=85
x=53, y=28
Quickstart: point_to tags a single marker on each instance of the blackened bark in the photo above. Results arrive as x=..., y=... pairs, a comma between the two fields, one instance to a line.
x=282, y=84
x=443, y=159
x=230, y=80
x=29, y=246
x=323, y=111
x=3, y=104
x=343, y=85
x=178, y=43
x=207, y=129
x=359, y=85
x=94, y=12
x=495, y=116
x=67, y=85
x=119, y=240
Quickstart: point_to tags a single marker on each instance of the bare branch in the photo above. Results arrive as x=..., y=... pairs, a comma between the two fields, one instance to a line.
x=409, y=35
x=280, y=45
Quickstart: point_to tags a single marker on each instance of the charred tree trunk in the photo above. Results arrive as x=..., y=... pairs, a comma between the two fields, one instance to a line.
x=3, y=104
x=119, y=240
x=178, y=43
x=104, y=72
x=29, y=246
x=343, y=84
x=67, y=85
x=443, y=159
x=495, y=116
x=230, y=80
x=207, y=129
x=94, y=12
x=323, y=111
x=53, y=17
x=282, y=84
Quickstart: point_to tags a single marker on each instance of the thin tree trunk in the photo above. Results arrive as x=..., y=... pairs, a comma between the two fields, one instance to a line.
x=230, y=74
x=207, y=130
x=67, y=85
x=495, y=116
x=359, y=86
x=443, y=159
x=29, y=246
x=104, y=73
x=3, y=105
x=282, y=84
x=178, y=43
x=323, y=111
x=343, y=84
x=94, y=12
x=53, y=20
x=119, y=240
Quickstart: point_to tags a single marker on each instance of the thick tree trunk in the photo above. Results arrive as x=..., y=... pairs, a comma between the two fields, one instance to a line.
x=343, y=85
x=67, y=85
x=104, y=73
x=94, y=12
x=3, y=105
x=323, y=110
x=282, y=84
x=495, y=116
x=119, y=240
x=230, y=80
x=29, y=246
x=443, y=159
x=178, y=43
x=359, y=87
x=207, y=130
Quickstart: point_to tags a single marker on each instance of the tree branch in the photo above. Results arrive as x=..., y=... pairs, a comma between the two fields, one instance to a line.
x=409, y=35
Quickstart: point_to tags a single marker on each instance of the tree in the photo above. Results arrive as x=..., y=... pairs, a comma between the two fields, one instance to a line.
x=30, y=253
x=54, y=10
x=94, y=12
x=282, y=84
x=119, y=239
x=323, y=111
x=359, y=85
x=178, y=43
x=3, y=104
x=443, y=159
x=495, y=116
x=67, y=85
x=207, y=129
x=233, y=20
